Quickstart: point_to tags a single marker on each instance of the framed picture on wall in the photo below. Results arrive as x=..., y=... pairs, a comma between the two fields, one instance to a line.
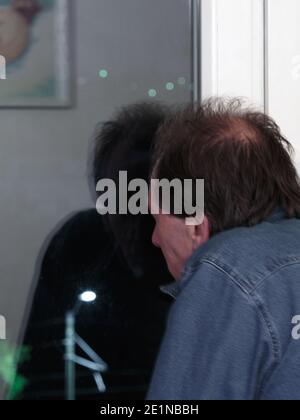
x=34, y=53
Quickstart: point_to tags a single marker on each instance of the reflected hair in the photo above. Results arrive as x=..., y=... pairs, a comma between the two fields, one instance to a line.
x=125, y=143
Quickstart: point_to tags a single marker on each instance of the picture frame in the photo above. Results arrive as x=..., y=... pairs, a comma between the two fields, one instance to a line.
x=38, y=68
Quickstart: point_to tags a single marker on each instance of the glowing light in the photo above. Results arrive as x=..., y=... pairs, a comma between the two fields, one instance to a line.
x=88, y=296
x=103, y=74
x=170, y=86
x=181, y=81
x=152, y=93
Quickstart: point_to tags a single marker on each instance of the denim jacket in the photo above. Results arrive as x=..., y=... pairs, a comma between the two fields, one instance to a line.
x=233, y=332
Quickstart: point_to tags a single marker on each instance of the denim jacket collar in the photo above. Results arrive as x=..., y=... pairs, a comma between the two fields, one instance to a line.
x=171, y=289
x=174, y=288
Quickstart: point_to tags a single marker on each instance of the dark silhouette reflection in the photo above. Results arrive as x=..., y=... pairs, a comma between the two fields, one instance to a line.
x=113, y=256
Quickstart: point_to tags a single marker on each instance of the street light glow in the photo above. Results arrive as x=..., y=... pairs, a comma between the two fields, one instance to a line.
x=88, y=296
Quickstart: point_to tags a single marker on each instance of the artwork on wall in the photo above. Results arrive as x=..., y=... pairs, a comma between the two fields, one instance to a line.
x=34, y=38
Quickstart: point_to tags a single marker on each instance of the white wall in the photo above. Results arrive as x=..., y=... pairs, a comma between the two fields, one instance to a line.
x=232, y=49
x=251, y=48
x=43, y=152
x=284, y=67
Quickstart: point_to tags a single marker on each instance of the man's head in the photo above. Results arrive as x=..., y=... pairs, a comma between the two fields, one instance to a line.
x=246, y=166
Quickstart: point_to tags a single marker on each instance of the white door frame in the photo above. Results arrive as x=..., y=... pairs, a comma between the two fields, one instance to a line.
x=251, y=49
x=233, y=49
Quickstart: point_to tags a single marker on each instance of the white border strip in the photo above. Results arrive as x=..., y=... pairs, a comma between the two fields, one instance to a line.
x=196, y=49
x=266, y=56
x=233, y=49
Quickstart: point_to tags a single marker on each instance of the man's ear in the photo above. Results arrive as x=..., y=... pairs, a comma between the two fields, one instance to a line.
x=201, y=233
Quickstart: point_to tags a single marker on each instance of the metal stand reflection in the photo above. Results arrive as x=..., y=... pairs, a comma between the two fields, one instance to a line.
x=95, y=364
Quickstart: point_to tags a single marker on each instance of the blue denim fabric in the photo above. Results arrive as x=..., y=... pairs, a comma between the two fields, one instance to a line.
x=230, y=334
